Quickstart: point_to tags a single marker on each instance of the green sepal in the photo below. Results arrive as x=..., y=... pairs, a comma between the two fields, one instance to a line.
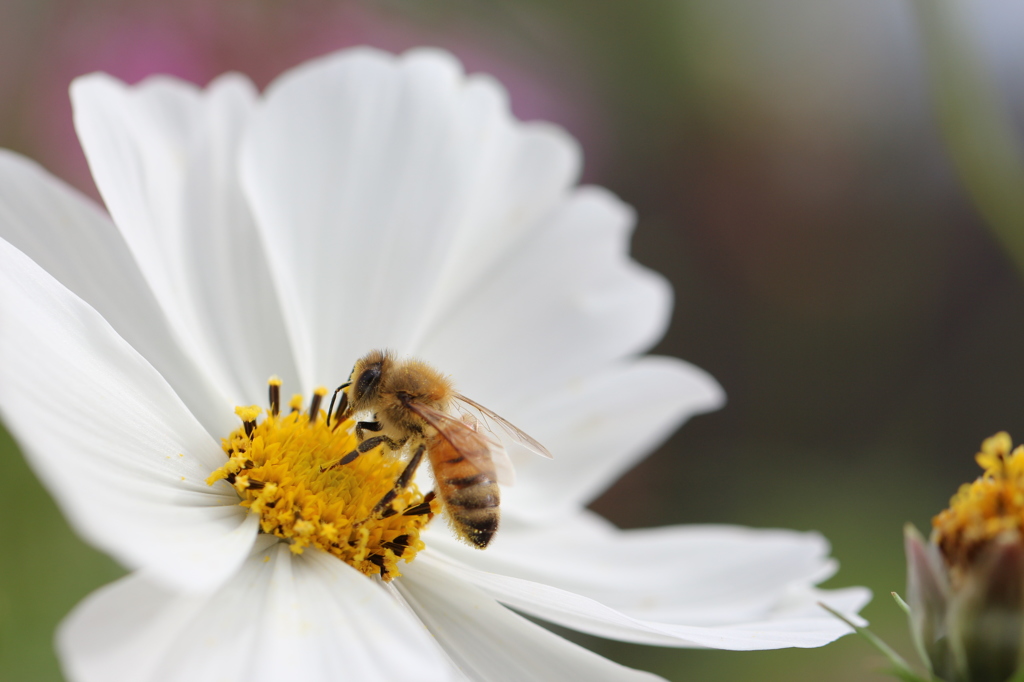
x=900, y=603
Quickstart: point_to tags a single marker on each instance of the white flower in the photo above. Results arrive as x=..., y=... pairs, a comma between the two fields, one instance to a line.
x=363, y=201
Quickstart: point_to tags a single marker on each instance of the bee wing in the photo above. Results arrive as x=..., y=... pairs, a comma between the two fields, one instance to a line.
x=510, y=429
x=486, y=454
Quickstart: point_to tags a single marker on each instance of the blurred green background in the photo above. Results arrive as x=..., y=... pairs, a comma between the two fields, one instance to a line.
x=791, y=178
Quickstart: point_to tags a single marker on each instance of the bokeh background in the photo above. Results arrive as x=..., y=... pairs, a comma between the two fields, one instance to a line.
x=791, y=176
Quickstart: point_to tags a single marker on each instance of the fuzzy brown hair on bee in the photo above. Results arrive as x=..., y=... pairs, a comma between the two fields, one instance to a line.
x=409, y=404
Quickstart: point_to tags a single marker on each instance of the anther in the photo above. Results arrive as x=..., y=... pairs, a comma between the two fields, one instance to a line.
x=395, y=547
x=314, y=405
x=248, y=416
x=275, y=396
x=421, y=508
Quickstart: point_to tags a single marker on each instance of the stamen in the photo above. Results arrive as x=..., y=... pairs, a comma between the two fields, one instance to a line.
x=248, y=416
x=423, y=507
x=288, y=470
x=275, y=396
x=314, y=405
x=398, y=545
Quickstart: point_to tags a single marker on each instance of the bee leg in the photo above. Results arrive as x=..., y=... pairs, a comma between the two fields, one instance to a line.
x=373, y=427
x=401, y=483
x=365, y=446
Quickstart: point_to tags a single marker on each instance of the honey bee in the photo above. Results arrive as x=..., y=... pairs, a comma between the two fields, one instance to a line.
x=411, y=404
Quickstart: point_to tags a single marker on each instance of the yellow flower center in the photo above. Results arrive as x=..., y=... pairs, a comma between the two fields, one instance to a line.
x=289, y=470
x=990, y=507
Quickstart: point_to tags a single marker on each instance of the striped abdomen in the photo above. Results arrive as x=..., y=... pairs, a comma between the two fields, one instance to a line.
x=470, y=494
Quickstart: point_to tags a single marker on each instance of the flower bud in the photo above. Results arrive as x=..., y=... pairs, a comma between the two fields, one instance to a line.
x=965, y=587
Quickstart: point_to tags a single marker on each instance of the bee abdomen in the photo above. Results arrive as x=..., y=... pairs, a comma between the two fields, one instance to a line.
x=479, y=532
x=470, y=495
x=480, y=479
x=474, y=513
x=476, y=497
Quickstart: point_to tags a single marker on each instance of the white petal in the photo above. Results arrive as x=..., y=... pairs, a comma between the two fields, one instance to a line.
x=797, y=629
x=120, y=452
x=692, y=575
x=69, y=237
x=282, y=617
x=561, y=306
x=489, y=643
x=409, y=181
x=164, y=155
x=600, y=427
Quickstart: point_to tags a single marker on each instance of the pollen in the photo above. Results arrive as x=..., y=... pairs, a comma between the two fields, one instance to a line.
x=289, y=470
x=990, y=507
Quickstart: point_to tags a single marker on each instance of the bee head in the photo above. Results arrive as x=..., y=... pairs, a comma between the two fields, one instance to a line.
x=365, y=378
x=366, y=382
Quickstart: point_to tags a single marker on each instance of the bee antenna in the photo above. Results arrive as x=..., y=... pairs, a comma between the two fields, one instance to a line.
x=344, y=401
